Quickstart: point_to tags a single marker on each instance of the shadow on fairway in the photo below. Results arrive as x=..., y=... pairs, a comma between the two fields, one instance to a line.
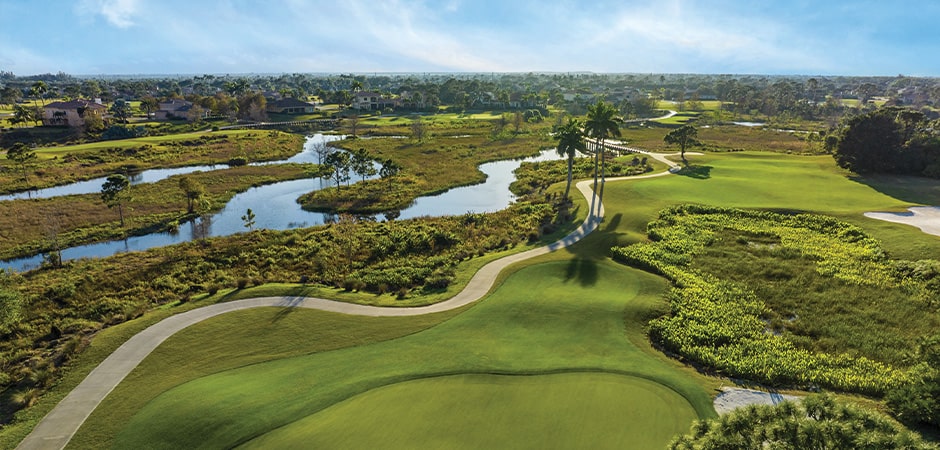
x=697, y=172
x=923, y=190
x=595, y=247
x=583, y=270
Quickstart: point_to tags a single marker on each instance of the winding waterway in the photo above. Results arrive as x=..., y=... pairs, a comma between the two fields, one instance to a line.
x=275, y=207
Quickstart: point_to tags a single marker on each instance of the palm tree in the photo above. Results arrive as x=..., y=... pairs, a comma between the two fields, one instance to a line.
x=570, y=141
x=39, y=89
x=602, y=122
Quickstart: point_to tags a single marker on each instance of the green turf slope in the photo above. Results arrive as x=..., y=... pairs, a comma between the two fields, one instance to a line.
x=565, y=316
x=571, y=410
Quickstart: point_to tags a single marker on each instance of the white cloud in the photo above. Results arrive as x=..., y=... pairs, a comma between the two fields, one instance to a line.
x=119, y=13
x=678, y=34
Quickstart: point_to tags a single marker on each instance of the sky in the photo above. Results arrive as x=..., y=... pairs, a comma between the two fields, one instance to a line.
x=786, y=37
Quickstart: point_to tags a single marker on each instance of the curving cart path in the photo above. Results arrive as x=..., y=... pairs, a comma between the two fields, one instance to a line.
x=58, y=426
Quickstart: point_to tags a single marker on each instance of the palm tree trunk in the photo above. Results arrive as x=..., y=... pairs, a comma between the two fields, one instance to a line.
x=568, y=186
x=594, y=193
x=600, y=198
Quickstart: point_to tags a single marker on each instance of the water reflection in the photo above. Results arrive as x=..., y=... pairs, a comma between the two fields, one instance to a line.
x=275, y=207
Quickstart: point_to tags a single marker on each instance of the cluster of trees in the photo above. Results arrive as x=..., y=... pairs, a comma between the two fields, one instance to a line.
x=890, y=140
x=359, y=162
x=602, y=122
x=807, y=97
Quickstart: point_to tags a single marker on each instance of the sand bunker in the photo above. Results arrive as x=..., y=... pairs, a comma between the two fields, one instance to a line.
x=927, y=218
x=733, y=398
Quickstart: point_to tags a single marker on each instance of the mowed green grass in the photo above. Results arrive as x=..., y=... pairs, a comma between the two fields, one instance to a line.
x=577, y=314
x=782, y=182
x=568, y=410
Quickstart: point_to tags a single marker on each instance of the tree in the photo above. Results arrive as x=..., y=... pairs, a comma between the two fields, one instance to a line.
x=812, y=84
x=93, y=123
x=149, y=105
x=869, y=143
x=602, y=122
x=340, y=163
x=114, y=192
x=570, y=142
x=193, y=190
x=22, y=114
x=10, y=95
x=121, y=110
x=361, y=164
x=684, y=137
x=39, y=90
x=91, y=89
x=21, y=154
x=196, y=114
x=353, y=122
x=249, y=219
x=818, y=421
x=418, y=128
x=517, y=121
x=388, y=170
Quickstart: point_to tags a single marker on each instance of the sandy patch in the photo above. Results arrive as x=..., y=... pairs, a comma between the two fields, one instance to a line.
x=733, y=398
x=927, y=218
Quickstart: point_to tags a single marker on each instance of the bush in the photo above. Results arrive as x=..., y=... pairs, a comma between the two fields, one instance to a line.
x=238, y=161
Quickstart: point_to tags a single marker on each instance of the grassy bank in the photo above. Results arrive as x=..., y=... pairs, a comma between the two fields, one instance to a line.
x=60, y=165
x=33, y=225
x=429, y=166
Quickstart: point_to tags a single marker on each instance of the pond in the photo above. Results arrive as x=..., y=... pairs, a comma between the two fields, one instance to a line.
x=275, y=207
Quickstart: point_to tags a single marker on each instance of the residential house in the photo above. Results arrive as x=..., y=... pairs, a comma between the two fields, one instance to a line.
x=373, y=100
x=71, y=113
x=173, y=108
x=290, y=106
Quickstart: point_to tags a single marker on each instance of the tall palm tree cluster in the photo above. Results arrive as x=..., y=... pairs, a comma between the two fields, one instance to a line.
x=602, y=123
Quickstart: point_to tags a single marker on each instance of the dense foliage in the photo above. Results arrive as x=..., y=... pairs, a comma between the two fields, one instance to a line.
x=717, y=318
x=816, y=422
x=918, y=401
x=61, y=308
x=890, y=140
x=537, y=176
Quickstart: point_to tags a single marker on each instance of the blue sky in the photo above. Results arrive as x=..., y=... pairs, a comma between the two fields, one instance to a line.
x=86, y=37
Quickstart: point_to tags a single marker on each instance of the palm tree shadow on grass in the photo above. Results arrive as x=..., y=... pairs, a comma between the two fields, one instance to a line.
x=583, y=266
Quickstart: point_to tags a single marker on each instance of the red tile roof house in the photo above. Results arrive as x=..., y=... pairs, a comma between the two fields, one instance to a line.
x=71, y=113
x=290, y=106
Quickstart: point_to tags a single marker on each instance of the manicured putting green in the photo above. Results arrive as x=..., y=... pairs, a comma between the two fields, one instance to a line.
x=567, y=410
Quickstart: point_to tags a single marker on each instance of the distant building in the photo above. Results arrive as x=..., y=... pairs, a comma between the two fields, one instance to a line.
x=373, y=100
x=71, y=113
x=290, y=106
x=173, y=109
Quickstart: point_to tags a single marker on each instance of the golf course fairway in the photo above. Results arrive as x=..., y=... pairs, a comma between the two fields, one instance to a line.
x=566, y=324
x=566, y=410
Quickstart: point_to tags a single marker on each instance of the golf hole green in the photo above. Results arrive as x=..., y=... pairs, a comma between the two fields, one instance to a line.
x=567, y=410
